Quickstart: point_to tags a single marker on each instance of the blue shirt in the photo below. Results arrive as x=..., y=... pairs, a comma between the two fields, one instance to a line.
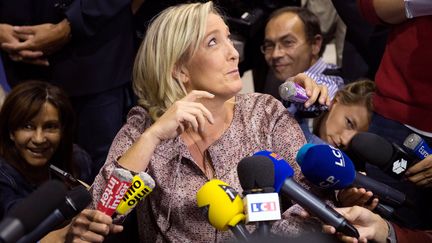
x=13, y=187
x=333, y=83
x=3, y=81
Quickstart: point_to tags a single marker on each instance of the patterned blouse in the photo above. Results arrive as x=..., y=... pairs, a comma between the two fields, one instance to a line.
x=170, y=212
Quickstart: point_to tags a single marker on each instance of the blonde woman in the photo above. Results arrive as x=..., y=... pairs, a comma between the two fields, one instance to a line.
x=192, y=124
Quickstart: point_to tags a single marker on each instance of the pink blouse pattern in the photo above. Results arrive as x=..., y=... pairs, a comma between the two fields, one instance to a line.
x=170, y=212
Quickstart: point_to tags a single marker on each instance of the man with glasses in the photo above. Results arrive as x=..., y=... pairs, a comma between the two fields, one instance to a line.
x=292, y=45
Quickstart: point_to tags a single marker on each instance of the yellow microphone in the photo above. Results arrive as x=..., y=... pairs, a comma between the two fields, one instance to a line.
x=142, y=185
x=224, y=207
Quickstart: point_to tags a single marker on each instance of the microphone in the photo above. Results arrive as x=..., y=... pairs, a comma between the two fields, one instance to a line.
x=329, y=168
x=67, y=177
x=223, y=207
x=116, y=187
x=76, y=200
x=293, y=92
x=376, y=150
x=142, y=185
x=418, y=146
x=28, y=213
x=286, y=184
x=262, y=204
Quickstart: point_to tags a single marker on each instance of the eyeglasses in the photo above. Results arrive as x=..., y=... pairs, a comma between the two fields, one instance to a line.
x=285, y=44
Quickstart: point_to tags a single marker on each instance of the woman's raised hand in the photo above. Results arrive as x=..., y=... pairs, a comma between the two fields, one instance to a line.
x=183, y=114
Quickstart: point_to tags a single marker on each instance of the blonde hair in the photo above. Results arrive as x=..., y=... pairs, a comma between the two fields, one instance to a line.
x=172, y=38
x=356, y=93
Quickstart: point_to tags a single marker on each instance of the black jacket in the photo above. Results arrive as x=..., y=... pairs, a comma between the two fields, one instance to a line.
x=98, y=57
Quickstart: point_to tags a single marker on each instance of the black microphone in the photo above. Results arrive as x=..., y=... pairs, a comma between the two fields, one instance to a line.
x=376, y=150
x=76, y=200
x=261, y=203
x=28, y=213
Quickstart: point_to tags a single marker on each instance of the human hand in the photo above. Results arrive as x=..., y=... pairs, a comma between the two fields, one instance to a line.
x=357, y=196
x=7, y=34
x=369, y=225
x=313, y=90
x=91, y=226
x=56, y=235
x=421, y=172
x=8, y=37
x=46, y=38
x=183, y=114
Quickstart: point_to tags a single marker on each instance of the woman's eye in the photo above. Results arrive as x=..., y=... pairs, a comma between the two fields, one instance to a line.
x=52, y=126
x=27, y=126
x=212, y=42
x=349, y=123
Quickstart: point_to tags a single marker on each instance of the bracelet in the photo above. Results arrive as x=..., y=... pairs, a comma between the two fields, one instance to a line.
x=391, y=237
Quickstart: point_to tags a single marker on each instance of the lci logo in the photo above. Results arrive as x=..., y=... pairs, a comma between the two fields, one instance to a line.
x=263, y=207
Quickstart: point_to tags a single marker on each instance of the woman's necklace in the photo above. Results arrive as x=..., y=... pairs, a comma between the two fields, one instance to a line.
x=200, y=153
x=202, y=156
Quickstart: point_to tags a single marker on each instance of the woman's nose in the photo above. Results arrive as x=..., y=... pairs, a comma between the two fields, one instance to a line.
x=233, y=52
x=38, y=136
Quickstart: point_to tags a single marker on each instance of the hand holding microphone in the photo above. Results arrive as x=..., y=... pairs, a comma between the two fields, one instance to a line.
x=418, y=146
x=112, y=201
x=421, y=172
x=292, y=90
x=91, y=226
x=328, y=167
x=115, y=189
x=223, y=207
x=284, y=183
x=371, y=226
x=76, y=200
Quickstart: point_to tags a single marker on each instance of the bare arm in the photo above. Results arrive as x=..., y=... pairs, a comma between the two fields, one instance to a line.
x=181, y=115
x=390, y=11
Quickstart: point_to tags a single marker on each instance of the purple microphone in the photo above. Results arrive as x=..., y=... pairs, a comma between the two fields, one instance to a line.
x=293, y=92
